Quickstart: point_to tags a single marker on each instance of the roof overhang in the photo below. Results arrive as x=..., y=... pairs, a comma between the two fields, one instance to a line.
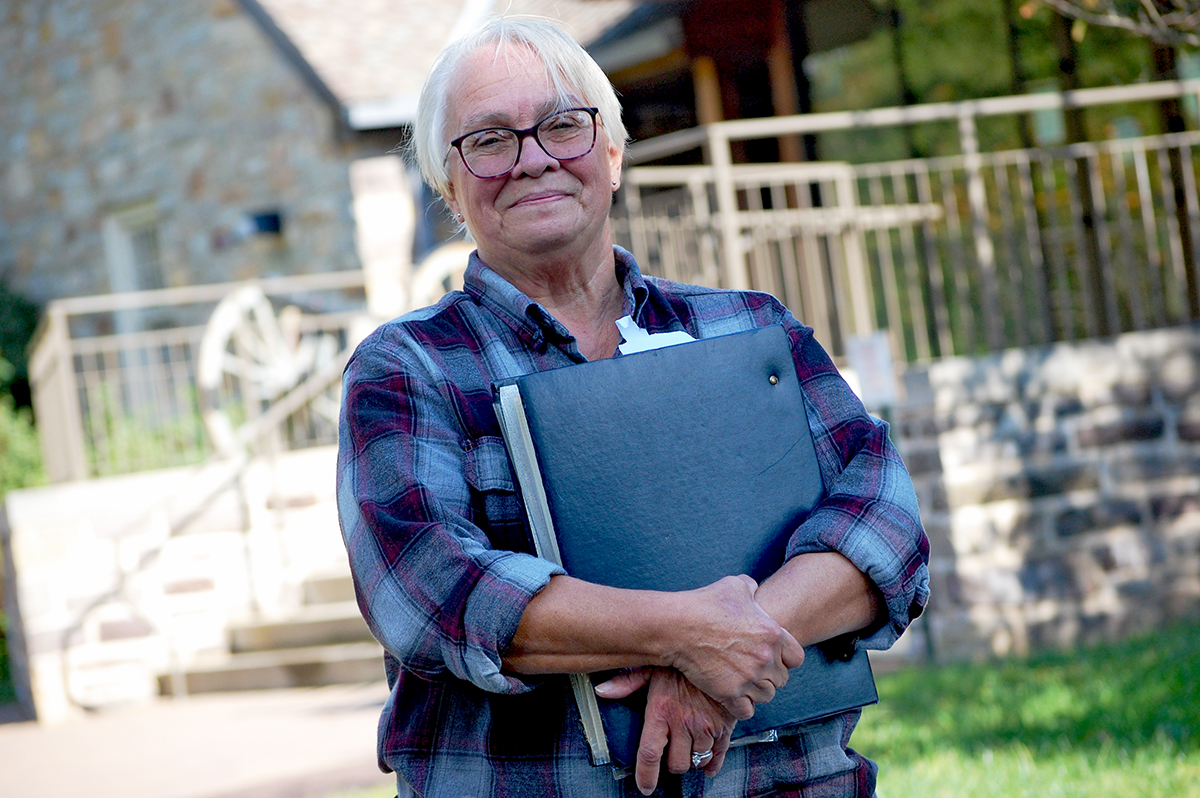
x=395, y=111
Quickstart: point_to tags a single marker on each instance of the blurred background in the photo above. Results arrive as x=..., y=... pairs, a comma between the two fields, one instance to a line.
x=987, y=210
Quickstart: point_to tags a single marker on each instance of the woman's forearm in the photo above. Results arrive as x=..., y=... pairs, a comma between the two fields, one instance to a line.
x=819, y=596
x=573, y=626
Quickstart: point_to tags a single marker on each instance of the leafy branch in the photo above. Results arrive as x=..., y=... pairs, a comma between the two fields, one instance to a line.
x=1168, y=22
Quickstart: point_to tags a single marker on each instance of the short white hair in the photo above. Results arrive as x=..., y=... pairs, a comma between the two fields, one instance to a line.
x=571, y=70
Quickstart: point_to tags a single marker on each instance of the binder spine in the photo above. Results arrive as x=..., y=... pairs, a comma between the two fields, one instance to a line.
x=510, y=412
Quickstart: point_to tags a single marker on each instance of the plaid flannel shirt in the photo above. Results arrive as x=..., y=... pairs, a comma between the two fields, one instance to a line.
x=442, y=567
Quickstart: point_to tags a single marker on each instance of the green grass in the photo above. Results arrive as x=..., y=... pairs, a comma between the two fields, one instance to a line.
x=1114, y=720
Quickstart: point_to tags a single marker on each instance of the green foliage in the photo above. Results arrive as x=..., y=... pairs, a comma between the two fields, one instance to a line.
x=20, y=467
x=8, y=695
x=121, y=442
x=20, y=455
x=956, y=50
x=1121, y=719
x=18, y=320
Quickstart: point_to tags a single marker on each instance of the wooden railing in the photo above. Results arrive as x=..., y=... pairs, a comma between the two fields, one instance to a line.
x=955, y=255
x=113, y=402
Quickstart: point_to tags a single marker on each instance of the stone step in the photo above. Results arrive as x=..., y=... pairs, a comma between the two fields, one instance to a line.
x=329, y=589
x=314, y=666
x=315, y=625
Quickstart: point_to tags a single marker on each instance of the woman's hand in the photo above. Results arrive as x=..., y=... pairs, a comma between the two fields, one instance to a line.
x=717, y=636
x=679, y=720
x=729, y=648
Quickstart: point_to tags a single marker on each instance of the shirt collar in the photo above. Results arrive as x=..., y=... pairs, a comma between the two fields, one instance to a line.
x=632, y=282
x=528, y=319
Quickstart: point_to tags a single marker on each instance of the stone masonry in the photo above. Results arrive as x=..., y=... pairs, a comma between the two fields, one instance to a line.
x=184, y=108
x=1061, y=490
x=112, y=583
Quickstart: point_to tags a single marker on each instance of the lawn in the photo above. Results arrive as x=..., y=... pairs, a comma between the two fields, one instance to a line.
x=1114, y=720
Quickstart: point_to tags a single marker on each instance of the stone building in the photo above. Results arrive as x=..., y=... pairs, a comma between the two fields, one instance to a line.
x=149, y=145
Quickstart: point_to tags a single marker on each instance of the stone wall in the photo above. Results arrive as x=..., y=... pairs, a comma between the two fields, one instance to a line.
x=182, y=108
x=112, y=582
x=1061, y=490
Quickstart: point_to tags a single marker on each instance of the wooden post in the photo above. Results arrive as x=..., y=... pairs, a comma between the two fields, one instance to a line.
x=56, y=400
x=985, y=251
x=1171, y=115
x=735, y=274
x=708, y=90
x=783, y=86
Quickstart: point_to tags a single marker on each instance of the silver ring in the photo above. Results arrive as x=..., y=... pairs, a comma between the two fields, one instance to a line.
x=699, y=760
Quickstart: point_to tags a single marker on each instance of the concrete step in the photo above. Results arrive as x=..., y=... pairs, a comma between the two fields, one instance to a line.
x=315, y=625
x=314, y=666
x=332, y=588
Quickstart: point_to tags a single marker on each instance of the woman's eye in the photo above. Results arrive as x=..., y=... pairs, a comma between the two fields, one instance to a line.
x=563, y=123
x=490, y=139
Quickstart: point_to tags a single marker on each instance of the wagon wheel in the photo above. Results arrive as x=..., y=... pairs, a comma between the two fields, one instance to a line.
x=249, y=359
x=444, y=266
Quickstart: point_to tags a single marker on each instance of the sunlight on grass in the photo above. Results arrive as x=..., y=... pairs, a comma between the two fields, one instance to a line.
x=1121, y=719
x=1016, y=772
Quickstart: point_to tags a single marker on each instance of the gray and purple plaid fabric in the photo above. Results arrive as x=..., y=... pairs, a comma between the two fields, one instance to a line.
x=443, y=571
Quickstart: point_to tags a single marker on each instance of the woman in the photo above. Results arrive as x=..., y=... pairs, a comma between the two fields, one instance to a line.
x=520, y=132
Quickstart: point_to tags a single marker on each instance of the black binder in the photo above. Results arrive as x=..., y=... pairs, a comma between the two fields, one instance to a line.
x=667, y=470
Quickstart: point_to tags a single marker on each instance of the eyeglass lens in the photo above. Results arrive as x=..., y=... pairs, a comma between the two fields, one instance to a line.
x=494, y=151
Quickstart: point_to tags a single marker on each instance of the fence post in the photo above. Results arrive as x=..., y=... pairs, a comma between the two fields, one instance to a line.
x=985, y=252
x=637, y=223
x=735, y=273
x=709, y=263
x=56, y=400
x=852, y=243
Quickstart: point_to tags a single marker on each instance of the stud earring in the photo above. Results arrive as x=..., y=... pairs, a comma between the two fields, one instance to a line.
x=459, y=217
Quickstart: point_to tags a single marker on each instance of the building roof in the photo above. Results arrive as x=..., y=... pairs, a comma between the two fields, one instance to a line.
x=373, y=55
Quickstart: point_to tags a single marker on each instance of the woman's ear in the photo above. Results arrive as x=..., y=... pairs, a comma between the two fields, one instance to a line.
x=616, y=160
x=452, y=203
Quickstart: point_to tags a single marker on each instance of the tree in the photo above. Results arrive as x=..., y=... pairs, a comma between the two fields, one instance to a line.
x=1167, y=22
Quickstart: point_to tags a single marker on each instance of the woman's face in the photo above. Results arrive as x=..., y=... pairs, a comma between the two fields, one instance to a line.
x=542, y=207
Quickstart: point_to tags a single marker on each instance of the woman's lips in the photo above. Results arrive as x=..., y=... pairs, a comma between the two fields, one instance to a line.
x=539, y=197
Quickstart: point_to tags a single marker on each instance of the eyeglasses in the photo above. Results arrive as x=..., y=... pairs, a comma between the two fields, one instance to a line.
x=494, y=151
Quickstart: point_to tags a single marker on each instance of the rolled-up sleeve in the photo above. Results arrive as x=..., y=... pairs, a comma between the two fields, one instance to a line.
x=433, y=589
x=869, y=512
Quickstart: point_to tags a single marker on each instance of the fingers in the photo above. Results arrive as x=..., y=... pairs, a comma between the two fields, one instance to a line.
x=732, y=649
x=650, y=750
x=681, y=748
x=764, y=689
x=793, y=652
x=719, y=749
x=681, y=720
x=624, y=684
x=741, y=708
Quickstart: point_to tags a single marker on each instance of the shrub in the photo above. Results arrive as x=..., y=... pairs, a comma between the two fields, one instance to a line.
x=20, y=455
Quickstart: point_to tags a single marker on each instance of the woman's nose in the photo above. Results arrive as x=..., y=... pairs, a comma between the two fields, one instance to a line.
x=532, y=159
